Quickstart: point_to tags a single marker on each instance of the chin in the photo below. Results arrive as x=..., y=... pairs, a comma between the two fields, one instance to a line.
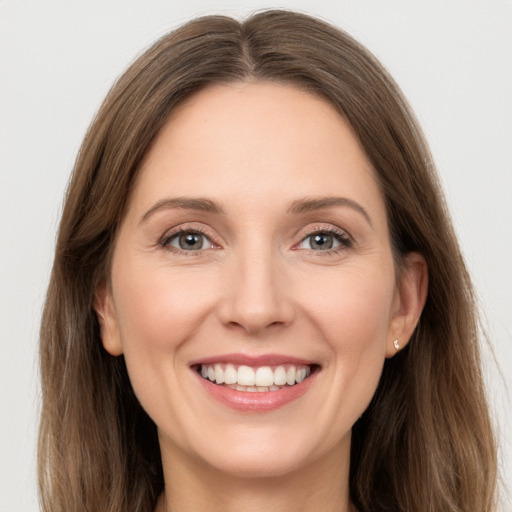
x=267, y=452
x=257, y=464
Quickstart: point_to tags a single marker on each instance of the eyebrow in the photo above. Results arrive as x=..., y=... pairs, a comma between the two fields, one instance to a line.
x=311, y=204
x=297, y=207
x=186, y=203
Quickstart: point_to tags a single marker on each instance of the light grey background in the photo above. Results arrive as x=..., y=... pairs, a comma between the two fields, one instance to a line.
x=453, y=60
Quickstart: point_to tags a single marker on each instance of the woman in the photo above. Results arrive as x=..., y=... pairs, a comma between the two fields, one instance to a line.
x=257, y=300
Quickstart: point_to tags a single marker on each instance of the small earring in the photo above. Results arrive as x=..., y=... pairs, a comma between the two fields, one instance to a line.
x=396, y=344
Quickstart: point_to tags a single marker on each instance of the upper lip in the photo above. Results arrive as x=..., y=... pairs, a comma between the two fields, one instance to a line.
x=253, y=360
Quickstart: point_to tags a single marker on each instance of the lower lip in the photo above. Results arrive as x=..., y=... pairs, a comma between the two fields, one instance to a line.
x=257, y=401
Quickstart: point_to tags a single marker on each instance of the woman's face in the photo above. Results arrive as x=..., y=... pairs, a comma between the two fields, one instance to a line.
x=255, y=251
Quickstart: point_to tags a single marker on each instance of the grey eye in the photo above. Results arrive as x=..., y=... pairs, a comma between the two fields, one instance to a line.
x=320, y=242
x=189, y=241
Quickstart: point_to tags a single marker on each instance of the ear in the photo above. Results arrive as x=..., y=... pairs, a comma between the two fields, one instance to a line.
x=411, y=294
x=109, y=327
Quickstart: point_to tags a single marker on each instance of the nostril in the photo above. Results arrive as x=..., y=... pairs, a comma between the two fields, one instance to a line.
x=255, y=325
x=255, y=305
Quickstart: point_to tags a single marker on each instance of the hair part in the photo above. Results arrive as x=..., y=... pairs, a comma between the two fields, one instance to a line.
x=425, y=442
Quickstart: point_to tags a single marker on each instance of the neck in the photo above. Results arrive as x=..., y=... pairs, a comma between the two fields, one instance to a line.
x=193, y=486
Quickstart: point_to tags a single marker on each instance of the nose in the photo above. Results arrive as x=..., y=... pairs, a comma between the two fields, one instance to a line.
x=257, y=295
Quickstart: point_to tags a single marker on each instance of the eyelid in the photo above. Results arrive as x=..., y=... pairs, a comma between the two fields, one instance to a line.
x=325, y=228
x=187, y=228
x=345, y=239
x=341, y=234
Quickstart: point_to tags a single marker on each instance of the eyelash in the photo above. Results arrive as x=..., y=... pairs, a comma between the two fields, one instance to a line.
x=340, y=236
x=168, y=237
x=346, y=242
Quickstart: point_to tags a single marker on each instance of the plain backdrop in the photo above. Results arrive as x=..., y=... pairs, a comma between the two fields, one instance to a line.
x=453, y=59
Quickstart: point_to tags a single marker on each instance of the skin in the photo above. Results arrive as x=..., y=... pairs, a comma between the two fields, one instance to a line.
x=257, y=286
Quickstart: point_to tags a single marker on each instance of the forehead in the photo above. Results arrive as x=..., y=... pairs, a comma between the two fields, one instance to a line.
x=256, y=143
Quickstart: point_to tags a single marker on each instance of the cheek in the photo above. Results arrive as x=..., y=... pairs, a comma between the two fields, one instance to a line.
x=353, y=316
x=158, y=309
x=353, y=309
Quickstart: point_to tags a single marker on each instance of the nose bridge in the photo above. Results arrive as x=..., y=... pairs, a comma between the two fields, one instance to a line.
x=256, y=296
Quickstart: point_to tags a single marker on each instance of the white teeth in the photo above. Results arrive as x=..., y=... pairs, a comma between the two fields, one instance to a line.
x=300, y=375
x=290, y=376
x=245, y=376
x=230, y=374
x=263, y=378
x=219, y=374
x=280, y=376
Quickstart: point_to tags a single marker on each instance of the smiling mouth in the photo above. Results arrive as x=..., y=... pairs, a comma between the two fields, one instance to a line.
x=255, y=379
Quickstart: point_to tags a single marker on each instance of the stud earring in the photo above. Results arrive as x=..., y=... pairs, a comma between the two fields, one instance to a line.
x=396, y=344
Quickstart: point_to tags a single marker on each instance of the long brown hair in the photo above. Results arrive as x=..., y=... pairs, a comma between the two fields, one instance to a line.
x=424, y=444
